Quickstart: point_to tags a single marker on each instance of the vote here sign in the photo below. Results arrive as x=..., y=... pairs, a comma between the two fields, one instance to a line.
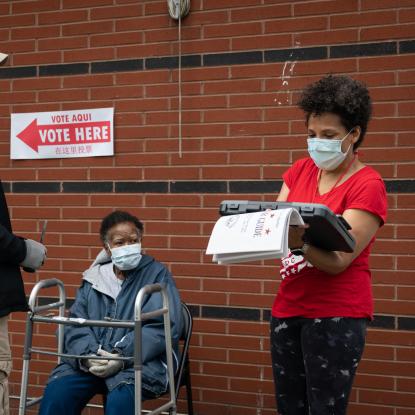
x=62, y=134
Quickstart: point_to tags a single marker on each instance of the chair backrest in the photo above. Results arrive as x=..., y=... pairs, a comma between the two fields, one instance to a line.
x=182, y=376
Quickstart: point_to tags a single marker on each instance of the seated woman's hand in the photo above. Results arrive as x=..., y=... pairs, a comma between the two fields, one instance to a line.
x=94, y=362
x=109, y=368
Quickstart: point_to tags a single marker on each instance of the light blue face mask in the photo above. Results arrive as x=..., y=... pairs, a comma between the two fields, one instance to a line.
x=327, y=153
x=126, y=257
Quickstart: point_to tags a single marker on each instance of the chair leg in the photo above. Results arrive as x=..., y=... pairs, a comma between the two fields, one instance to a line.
x=189, y=397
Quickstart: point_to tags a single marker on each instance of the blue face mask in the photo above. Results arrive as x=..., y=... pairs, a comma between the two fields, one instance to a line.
x=327, y=153
x=126, y=257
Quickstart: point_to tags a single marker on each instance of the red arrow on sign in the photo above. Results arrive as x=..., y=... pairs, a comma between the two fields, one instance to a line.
x=35, y=135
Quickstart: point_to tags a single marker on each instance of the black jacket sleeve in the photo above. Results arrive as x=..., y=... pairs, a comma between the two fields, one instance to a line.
x=12, y=248
x=12, y=253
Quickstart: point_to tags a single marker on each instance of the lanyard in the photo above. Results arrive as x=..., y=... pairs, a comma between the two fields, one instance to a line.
x=337, y=181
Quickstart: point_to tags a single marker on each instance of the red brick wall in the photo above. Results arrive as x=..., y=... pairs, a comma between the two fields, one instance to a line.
x=240, y=133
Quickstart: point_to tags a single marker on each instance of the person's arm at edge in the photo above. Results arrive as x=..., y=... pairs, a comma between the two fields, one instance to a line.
x=13, y=247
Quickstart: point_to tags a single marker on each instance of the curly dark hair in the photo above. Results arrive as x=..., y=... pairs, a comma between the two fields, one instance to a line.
x=116, y=217
x=341, y=95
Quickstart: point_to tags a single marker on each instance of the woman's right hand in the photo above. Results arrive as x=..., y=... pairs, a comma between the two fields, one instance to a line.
x=296, y=236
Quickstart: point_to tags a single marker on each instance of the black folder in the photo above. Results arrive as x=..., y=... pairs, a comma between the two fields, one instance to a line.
x=326, y=229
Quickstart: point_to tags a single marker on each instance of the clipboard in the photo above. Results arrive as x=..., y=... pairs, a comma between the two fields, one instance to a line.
x=327, y=230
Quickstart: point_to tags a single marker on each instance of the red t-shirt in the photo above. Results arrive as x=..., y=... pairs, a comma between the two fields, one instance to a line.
x=305, y=291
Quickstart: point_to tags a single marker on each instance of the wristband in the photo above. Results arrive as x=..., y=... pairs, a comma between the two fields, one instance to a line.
x=301, y=251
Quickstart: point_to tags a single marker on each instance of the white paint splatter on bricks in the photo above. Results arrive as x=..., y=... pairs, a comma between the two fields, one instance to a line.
x=283, y=96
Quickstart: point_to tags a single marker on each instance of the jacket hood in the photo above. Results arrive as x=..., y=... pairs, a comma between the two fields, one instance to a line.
x=100, y=281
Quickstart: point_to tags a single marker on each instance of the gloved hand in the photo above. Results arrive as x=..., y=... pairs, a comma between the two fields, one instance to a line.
x=110, y=368
x=35, y=254
x=94, y=362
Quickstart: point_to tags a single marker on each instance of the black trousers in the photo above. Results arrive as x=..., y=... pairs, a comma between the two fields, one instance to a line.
x=314, y=362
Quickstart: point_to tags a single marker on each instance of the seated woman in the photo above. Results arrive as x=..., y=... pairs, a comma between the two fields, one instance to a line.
x=109, y=289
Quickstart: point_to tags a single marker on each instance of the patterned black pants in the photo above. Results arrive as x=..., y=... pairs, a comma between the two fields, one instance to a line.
x=314, y=362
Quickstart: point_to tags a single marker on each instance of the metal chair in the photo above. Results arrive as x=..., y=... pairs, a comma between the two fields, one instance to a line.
x=182, y=375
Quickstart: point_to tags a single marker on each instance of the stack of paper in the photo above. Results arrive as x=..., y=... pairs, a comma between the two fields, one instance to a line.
x=252, y=236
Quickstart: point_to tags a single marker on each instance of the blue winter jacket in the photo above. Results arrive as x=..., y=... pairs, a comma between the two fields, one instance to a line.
x=93, y=301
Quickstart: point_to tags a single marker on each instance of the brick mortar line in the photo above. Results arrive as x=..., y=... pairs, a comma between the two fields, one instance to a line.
x=341, y=51
x=393, y=186
x=262, y=315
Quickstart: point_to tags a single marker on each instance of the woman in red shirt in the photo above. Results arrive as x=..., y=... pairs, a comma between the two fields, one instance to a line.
x=324, y=301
